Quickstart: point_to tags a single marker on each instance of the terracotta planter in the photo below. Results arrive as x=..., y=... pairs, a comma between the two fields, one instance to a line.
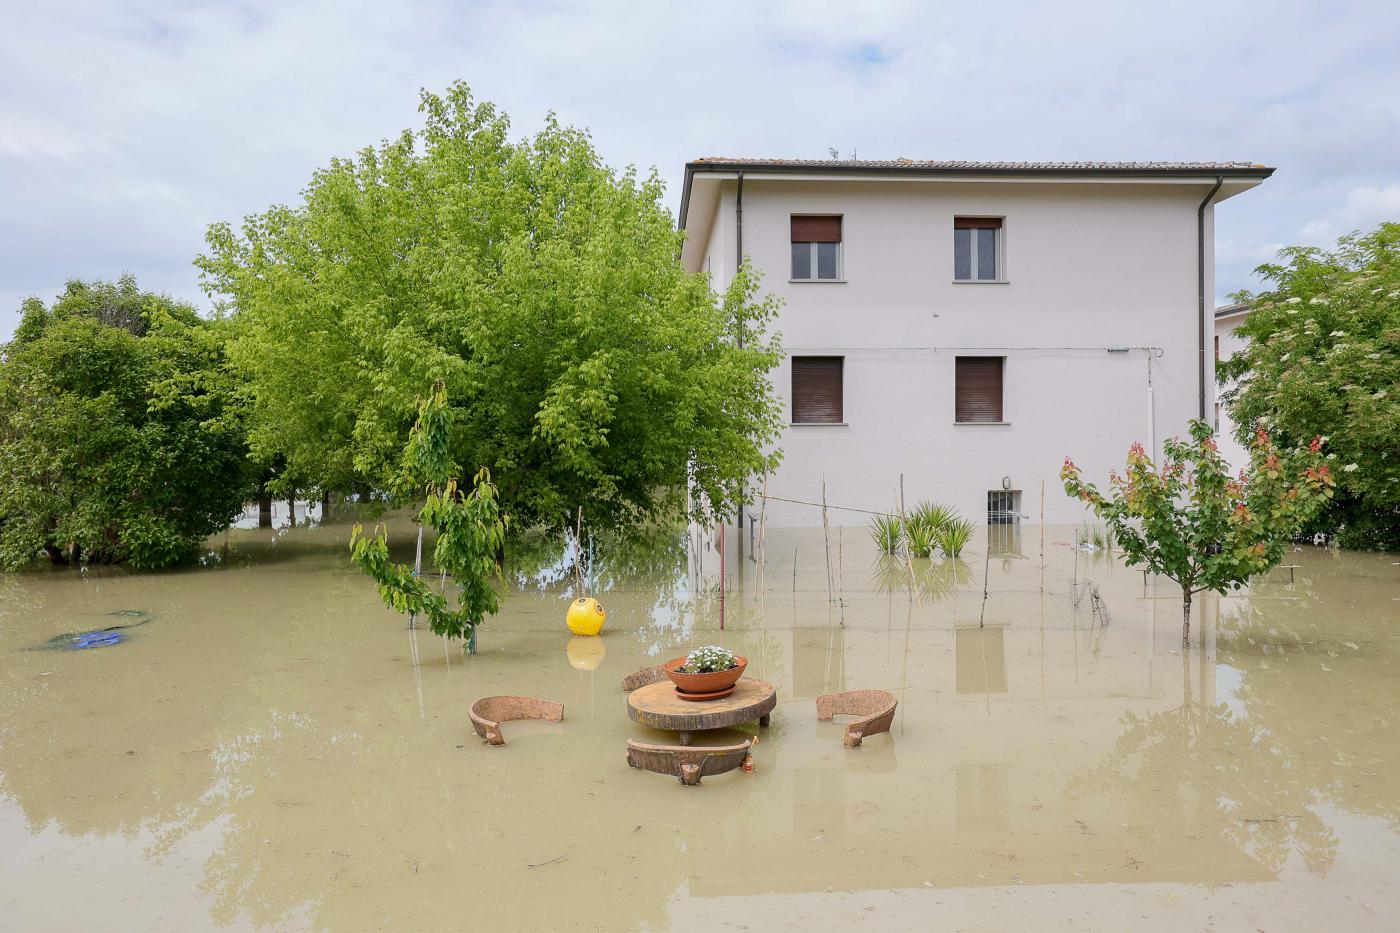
x=713, y=682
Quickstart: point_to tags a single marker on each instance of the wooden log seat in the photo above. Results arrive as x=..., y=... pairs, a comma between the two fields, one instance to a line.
x=647, y=675
x=488, y=713
x=875, y=709
x=688, y=763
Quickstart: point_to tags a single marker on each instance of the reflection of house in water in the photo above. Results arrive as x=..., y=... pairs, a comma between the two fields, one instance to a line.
x=979, y=656
x=997, y=746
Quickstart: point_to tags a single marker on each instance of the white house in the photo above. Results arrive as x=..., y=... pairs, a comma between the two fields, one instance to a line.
x=968, y=325
x=1227, y=343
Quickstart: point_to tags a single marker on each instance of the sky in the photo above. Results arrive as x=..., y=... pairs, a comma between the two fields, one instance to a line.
x=127, y=128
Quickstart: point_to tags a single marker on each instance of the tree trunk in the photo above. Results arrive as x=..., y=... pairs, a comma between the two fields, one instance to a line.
x=56, y=555
x=1185, y=617
x=264, y=509
x=325, y=506
x=292, y=508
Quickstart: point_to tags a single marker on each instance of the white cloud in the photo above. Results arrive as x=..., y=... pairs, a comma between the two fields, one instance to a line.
x=1365, y=207
x=128, y=127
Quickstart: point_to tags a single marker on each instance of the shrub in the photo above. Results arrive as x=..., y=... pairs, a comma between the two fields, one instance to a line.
x=887, y=532
x=952, y=537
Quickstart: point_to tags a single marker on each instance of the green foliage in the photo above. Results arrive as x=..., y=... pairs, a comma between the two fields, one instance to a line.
x=1191, y=521
x=932, y=515
x=470, y=535
x=121, y=439
x=953, y=536
x=709, y=659
x=920, y=538
x=886, y=531
x=585, y=366
x=1324, y=359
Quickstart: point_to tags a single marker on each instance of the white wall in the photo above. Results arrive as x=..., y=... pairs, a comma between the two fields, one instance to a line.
x=1089, y=266
x=1230, y=344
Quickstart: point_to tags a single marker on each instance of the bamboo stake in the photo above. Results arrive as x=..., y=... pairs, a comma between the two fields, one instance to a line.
x=1042, y=538
x=841, y=572
x=763, y=526
x=986, y=567
x=826, y=537
x=417, y=567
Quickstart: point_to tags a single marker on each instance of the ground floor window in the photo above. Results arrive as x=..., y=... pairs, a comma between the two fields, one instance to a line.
x=817, y=390
x=1003, y=506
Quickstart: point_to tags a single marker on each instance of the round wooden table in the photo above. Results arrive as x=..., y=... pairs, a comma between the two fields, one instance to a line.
x=657, y=705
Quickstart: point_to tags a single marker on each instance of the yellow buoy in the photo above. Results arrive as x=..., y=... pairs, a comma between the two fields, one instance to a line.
x=585, y=654
x=585, y=616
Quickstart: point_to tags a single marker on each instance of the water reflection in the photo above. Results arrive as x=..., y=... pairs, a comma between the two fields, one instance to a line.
x=271, y=752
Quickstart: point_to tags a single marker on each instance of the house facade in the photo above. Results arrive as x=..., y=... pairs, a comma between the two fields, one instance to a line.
x=958, y=328
x=1227, y=343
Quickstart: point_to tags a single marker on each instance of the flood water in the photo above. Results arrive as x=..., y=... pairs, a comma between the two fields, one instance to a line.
x=263, y=752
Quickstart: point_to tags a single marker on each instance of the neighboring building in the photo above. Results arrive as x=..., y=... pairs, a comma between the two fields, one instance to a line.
x=968, y=325
x=1227, y=344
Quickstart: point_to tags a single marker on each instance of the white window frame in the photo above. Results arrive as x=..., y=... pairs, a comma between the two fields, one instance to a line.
x=812, y=253
x=972, y=241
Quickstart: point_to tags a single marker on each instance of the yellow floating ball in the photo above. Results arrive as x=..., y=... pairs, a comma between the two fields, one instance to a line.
x=585, y=654
x=585, y=616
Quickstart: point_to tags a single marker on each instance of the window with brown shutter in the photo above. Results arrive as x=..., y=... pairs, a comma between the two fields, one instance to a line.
x=817, y=390
x=978, y=389
x=977, y=249
x=816, y=248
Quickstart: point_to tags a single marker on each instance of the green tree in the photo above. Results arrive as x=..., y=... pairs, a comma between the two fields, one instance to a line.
x=120, y=437
x=1324, y=358
x=470, y=534
x=1191, y=521
x=584, y=365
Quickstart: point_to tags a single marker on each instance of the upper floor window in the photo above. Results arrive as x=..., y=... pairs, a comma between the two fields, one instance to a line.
x=977, y=249
x=816, y=248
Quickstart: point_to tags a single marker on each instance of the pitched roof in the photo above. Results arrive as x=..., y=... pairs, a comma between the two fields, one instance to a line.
x=1236, y=308
x=1251, y=168
x=868, y=167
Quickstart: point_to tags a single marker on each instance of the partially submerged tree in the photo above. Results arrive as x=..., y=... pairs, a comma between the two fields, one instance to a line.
x=470, y=534
x=585, y=366
x=1192, y=521
x=121, y=439
x=1324, y=358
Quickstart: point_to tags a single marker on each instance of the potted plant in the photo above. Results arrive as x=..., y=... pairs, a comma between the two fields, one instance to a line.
x=709, y=672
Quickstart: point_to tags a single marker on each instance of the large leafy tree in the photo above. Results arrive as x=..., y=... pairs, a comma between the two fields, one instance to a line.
x=1324, y=358
x=584, y=366
x=120, y=439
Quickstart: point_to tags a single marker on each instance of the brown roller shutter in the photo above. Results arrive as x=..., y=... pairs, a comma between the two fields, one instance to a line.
x=817, y=390
x=816, y=229
x=976, y=223
x=978, y=391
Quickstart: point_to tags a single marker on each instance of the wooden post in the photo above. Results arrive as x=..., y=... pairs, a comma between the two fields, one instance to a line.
x=1042, y=543
x=721, y=577
x=826, y=537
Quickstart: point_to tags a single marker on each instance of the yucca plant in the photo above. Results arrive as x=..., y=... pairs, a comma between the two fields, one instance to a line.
x=932, y=515
x=888, y=533
x=954, y=536
x=920, y=538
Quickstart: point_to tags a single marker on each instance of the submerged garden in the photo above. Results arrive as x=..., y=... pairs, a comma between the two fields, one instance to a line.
x=475, y=368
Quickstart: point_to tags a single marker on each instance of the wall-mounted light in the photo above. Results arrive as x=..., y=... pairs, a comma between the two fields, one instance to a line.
x=1006, y=482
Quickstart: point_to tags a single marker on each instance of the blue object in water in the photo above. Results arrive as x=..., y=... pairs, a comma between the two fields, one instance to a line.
x=97, y=639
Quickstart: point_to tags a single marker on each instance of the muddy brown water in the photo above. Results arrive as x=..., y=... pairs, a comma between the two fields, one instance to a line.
x=265, y=754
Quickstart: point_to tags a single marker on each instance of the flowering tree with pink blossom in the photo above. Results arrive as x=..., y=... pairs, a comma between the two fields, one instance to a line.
x=1194, y=522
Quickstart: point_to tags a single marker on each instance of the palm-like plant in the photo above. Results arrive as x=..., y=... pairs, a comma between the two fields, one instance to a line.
x=952, y=537
x=920, y=537
x=933, y=515
x=888, y=533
